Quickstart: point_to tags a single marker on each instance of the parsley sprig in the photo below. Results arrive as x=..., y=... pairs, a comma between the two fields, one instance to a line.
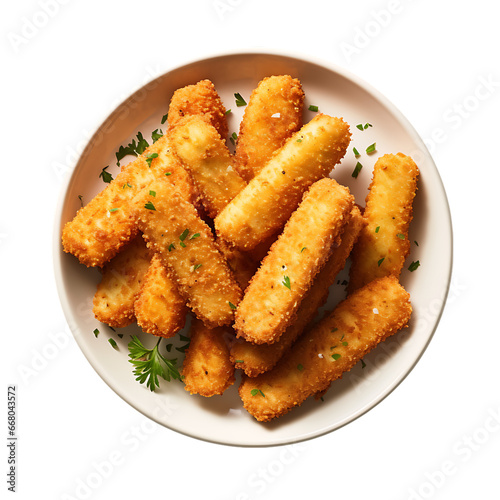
x=149, y=364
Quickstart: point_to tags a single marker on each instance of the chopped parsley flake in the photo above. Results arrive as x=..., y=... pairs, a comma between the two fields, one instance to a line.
x=96, y=332
x=234, y=138
x=380, y=261
x=356, y=152
x=150, y=157
x=164, y=118
x=184, y=234
x=377, y=229
x=286, y=282
x=113, y=343
x=357, y=170
x=195, y=235
x=314, y=108
x=371, y=148
x=152, y=193
x=401, y=236
x=149, y=205
x=300, y=367
x=197, y=266
x=336, y=356
x=414, y=265
x=239, y=100
x=232, y=306
x=255, y=392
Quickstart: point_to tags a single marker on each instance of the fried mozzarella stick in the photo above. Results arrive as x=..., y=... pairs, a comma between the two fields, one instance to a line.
x=204, y=154
x=287, y=272
x=206, y=368
x=102, y=227
x=114, y=299
x=174, y=230
x=331, y=348
x=159, y=308
x=272, y=115
x=199, y=99
x=383, y=245
x=268, y=200
x=254, y=359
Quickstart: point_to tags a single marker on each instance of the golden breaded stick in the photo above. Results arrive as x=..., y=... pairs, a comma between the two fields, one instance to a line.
x=206, y=369
x=272, y=115
x=186, y=245
x=114, y=299
x=254, y=359
x=287, y=272
x=331, y=348
x=198, y=99
x=206, y=157
x=242, y=265
x=103, y=226
x=268, y=200
x=159, y=308
x=383, y=245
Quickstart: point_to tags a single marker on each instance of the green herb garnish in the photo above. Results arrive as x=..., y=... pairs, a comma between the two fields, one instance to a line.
x=380, y=261
x=312, y=107
x=113, y=343
x=377, y=229
x=164, y=118
x=239, y=100
x=106, y=176
x=401, y=236
x=254, y=392
x=286, y=282
x=336, y=356
x=357, y=170
x=232, y=306
x=149, y=364
x=414, y=265
x=156, y=134
x=184, y=234
x=96, y=332
x=150, y=157
x=371, y=148
x=234, y=138
x=149, y=205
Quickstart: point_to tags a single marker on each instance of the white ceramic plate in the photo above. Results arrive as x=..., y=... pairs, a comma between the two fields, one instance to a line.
x=222, y=419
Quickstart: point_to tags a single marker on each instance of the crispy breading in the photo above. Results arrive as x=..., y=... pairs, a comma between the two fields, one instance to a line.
x=121, y=281
x=288, y=270
x=206, y=368
x=198, y=99
x=383, y=245
x=329, y=349
x=186, y=245
x=272, y=115
x=206, y=157
x=266, y=203
x=254, y=359
x=159, y=308
x=241, y=263
x=102, y=227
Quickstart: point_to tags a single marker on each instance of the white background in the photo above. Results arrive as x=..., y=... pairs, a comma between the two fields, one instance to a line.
x=66, y=64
